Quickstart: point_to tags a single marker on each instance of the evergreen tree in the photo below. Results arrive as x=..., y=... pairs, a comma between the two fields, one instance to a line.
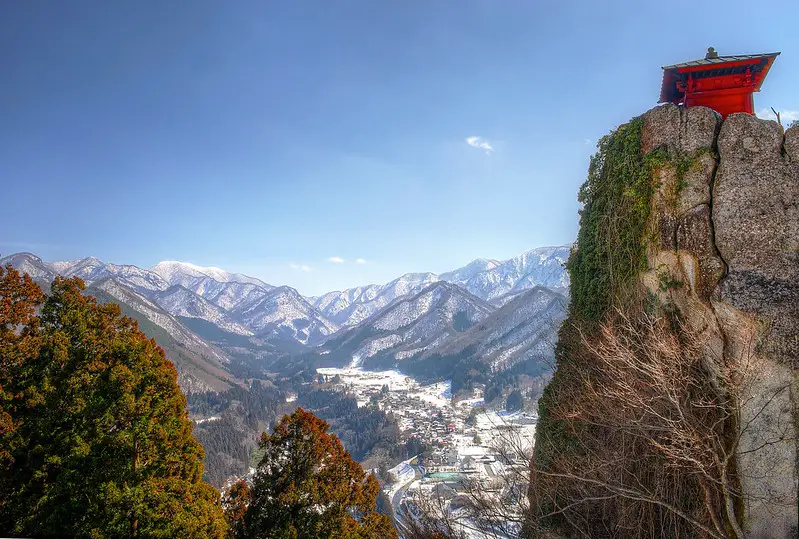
x=102, y=443
x=515, y=401
x=307, y=486
x=235, y=502
x=19, y=298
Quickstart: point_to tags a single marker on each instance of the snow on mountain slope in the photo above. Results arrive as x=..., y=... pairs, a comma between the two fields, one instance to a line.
x=245, y=305
x=413, y=322
x=231, y=295
x=284, y=313
x=539, y=267
x=524, y=328
x=333, y=303
x=157, y=315
x=355, y=305
x=176, y=272
x=137, y=278
x=461, y=275
x=200, y=365
x=91, y=269
x=227, y=290
x=500, y=301
x=40, y=271
x=486, y=279
x=179, y=301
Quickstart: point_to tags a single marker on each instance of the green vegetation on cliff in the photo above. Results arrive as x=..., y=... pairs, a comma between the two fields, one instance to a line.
x=610, y=251
x=610, y=247
x=640, y=428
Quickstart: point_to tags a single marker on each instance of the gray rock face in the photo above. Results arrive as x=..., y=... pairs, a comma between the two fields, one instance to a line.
x=681, y=205
x=728, y=231
x=679, y=129
x=694, y=235
x=694, y=186
x=791, y=144
x=756, y=214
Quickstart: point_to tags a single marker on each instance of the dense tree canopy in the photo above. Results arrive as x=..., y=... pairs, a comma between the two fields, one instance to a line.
x=94, y=439
x=19, y=298
x=307, y=486
x=235, y=503
x=242, y=415
x=363, y=430
x=515, y=401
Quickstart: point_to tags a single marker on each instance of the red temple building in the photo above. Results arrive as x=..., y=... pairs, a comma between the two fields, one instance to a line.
x=722, y=83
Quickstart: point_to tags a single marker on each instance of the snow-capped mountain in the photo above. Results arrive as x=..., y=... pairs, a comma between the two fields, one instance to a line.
x=334, y=303
x=411, y=324
x=484, y=311
x=233, y=302
x=228, y=290
x=486, y=279
x=524, y=328
x=39, y=270
x=285, y=314
x=232, y=295
x=461, y=275
x=539, y=267
x=200, y=365
x=354, y=305
x=179, y=301
x=91, y=269
x=181, y=273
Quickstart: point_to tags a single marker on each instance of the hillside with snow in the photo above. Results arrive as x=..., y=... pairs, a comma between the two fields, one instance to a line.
x=212, y=317
x=484, y=278
x=408, y=326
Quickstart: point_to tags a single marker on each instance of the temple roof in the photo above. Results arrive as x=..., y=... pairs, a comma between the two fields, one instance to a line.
x=722, y=60
x=671, y=74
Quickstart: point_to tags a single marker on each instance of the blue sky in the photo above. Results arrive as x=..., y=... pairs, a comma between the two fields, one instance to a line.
x=268, y=137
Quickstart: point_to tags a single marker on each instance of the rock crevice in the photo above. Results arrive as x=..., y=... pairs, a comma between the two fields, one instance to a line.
x=728, y=227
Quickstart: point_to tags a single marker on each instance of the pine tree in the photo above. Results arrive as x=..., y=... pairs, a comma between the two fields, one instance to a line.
x=307, y=486
x=102, y=445
x=235, y=502
x=515, y=401
x=19, y=298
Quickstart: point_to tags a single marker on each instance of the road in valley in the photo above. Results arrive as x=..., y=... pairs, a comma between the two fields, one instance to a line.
x=396, y=500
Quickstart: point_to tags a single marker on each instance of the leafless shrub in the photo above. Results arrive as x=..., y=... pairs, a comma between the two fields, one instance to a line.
x=654, y=421
x=429, y=517
x=493, y=507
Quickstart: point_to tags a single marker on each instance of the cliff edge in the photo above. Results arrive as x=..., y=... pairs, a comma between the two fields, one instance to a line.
x=687, y=265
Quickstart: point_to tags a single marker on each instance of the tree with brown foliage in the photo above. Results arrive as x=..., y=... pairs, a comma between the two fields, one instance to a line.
x=308, y=486
x=100, y=443
x=235, y=502
x=19, y=299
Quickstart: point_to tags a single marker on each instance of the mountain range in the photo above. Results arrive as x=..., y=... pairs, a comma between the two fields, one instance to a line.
x=219, y=327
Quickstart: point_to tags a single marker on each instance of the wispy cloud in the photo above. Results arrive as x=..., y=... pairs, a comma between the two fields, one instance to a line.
x=360, y=261
x=481, y=144
x=786, y=116
x=336, y=260
x=300, y=267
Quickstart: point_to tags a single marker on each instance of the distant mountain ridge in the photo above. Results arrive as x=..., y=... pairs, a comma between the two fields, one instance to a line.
x=410, y=324
x=256, y=322
x=484, y=278
x=444, y=323
x=178, y=272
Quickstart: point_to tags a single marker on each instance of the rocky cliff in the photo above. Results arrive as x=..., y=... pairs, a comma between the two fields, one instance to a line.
x=710, y=220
